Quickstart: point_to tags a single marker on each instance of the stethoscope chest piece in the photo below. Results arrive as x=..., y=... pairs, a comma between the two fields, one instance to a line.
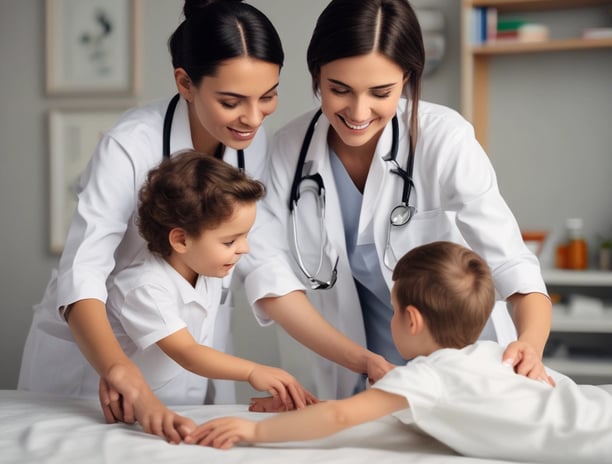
x=401, y=214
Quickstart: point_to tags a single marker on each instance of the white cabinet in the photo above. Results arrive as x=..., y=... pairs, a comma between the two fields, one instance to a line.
x=580, y=343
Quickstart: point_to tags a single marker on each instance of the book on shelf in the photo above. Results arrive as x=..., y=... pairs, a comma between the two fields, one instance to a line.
x=483, y=24
x=508, y=30
x=487, y=27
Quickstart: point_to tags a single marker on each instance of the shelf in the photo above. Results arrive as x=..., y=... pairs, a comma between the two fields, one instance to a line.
x=476, y=59
x=585, y=331
x=563, y=322
x=580, y=366
x=527, y=5
x=588, y=278
x=506, y=48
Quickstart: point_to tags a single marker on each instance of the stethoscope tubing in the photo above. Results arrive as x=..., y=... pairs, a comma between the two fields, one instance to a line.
x=400, y=214
x=167, y=129
x=406, y=174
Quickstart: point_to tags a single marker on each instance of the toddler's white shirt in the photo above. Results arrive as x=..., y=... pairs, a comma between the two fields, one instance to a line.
x=470, y=401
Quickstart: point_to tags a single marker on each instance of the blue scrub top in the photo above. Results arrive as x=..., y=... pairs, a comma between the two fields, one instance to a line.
x=374, y=295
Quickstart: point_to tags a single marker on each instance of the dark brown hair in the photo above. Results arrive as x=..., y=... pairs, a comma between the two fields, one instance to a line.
x=348, y=28
x=191, y=191
x=451, y=286
x=217, y=30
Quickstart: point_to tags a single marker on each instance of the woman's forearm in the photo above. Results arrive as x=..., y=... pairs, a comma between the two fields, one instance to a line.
x=532, y=315
x=302, y=321
x=92, y=331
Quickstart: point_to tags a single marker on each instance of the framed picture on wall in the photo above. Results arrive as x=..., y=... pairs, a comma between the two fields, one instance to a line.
x=73, y=136
x=91, y=47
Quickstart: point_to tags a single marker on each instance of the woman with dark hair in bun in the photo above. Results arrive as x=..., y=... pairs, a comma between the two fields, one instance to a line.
x=227, y=58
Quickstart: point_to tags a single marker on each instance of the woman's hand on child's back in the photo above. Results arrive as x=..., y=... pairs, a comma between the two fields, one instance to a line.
x=377, y=367
x=287, y=391
x=525, y=360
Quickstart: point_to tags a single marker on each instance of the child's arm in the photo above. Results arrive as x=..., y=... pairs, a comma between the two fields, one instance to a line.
x=313, y=422
x=211, y=363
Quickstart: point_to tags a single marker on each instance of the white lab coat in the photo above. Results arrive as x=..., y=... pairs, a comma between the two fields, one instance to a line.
x=456, y=197
x=103, y=237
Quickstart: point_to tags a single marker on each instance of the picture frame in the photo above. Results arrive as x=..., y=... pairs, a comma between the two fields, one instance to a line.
x=91, y=47
x=73, y=136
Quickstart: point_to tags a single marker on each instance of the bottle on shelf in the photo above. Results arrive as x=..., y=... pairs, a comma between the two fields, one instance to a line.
x=577, y=249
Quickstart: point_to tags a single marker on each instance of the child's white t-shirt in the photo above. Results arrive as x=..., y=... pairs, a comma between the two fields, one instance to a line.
x=470, y=401
x=150, y=300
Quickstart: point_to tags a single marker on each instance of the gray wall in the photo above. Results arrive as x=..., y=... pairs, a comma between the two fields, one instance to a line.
x=550, y=167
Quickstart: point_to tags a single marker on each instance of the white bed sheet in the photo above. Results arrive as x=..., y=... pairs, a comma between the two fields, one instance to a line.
x=36, y=428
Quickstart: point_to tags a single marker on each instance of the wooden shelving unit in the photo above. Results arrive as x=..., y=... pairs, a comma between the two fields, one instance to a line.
x=504, y=6
x=476, y=58
x=576, y=326
x=534, y=47
x=587, y=278
x=590, y=331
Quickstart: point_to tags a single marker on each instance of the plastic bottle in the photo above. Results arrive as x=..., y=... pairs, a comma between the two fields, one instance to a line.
x=577, y=249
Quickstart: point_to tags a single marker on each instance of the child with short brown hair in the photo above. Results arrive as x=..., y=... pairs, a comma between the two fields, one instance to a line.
x=455, y=388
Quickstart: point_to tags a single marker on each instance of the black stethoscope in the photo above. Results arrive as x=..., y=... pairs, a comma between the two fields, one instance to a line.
x=168, y=127
x=400, y=215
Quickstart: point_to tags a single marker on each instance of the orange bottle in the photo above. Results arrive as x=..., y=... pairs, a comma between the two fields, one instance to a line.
x=577, y=249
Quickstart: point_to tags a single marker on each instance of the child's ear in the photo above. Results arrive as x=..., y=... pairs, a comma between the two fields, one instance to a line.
x=178, y=240
x=414, y=318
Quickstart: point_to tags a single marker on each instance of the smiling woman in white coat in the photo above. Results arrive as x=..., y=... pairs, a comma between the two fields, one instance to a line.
x=227, y=58
x=378, y=173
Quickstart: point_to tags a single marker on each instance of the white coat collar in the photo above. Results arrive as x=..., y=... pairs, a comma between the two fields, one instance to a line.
x=318, y=158
x=374, y=185
x=318, y=154
x=377, y=195
x=200, y=294
x=383, y=190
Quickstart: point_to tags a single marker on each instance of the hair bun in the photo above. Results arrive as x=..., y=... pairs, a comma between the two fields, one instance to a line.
x=192, y=7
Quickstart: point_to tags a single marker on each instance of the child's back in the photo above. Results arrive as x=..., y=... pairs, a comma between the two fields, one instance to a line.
x=473, y=403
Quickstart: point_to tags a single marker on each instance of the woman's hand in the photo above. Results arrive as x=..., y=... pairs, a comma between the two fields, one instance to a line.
x=532, y=313
x=223, y=433
x=281, y=385
x=126, y=397
x=123, y=392
x=377, y=367
x=526, y=361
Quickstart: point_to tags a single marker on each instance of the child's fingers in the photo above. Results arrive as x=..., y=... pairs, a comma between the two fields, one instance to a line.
x=216, y=435
x=226, y=440
x=310, y=398
x=297, y=396
x=278, y=391
x=230, y=442
x=199, y=433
